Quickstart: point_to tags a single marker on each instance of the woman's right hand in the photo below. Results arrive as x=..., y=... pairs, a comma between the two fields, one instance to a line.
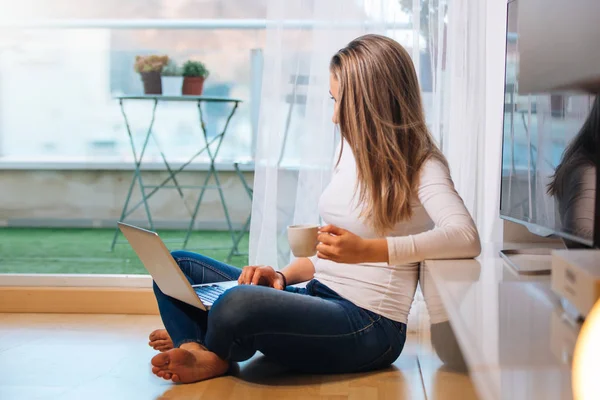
x=261, y=275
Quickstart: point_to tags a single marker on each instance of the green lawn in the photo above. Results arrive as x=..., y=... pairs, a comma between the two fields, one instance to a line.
x=87, y=251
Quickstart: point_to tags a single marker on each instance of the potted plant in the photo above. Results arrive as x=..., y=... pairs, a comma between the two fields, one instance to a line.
x=149, y=68
x=172, y=79
x=194, y=74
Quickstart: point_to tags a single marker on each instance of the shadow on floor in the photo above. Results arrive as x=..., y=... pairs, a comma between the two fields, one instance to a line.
x=260, y=370
x=260, y=378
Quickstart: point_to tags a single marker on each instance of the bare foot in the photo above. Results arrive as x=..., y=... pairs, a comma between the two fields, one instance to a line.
x=189, y=363
x=160, y=340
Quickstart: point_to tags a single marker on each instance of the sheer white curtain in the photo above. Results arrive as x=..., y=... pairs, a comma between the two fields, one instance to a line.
x=296, y=138
x=473, y=105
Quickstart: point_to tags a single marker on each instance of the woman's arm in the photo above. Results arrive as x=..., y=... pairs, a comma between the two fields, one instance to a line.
x=578, y=202
x=455, y=234
x=301, y=270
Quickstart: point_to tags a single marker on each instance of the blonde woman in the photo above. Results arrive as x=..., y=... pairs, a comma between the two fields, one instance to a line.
x=391, y=203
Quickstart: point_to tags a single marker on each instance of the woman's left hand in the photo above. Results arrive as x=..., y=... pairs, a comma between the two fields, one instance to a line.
x=339, y=245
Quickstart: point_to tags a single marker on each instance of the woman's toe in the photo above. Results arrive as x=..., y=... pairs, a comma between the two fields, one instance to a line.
x=175, y=378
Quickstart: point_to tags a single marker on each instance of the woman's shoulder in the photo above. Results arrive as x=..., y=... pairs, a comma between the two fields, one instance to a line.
x=435, y=167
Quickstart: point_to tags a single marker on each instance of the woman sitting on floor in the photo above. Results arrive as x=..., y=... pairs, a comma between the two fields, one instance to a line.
x=391, y=204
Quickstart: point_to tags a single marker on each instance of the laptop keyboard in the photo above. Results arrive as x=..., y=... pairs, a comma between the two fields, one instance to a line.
x=209, y=294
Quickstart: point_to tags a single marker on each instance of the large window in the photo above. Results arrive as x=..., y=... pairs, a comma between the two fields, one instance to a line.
x=61, y=67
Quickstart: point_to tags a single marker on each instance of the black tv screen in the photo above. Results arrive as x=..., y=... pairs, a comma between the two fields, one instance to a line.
x=549, y=155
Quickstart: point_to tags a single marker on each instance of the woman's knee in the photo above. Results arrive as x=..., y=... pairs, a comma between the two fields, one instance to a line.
x=193, y=271
x=179, y=255
x=189, y=261
x=235, y=308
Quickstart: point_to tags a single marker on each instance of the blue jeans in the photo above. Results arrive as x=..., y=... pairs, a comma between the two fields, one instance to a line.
x=308, y=329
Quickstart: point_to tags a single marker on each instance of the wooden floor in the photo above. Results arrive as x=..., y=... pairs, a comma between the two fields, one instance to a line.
x=55, y=356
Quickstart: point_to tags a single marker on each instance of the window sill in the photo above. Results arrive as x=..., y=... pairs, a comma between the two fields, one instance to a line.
x=75, y=280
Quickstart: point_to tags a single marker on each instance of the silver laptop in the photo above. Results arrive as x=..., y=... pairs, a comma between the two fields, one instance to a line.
x=166, y=273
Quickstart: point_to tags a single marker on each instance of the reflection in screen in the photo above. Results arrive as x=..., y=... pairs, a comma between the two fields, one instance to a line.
x=549, y=155
x=574, y=181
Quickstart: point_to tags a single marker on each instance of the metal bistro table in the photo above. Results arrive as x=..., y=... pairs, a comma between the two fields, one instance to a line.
x=211, y=147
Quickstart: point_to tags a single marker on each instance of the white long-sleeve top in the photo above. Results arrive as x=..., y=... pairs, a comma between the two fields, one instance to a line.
x=440, y=228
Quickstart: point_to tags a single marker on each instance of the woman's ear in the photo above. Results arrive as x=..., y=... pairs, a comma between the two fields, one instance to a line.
x=336, y=113
x=334, y=90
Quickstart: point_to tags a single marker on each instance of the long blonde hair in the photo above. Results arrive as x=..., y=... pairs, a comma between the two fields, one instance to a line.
x=381, y=118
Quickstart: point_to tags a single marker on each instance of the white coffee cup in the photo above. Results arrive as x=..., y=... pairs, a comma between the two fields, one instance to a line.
x=303, y=240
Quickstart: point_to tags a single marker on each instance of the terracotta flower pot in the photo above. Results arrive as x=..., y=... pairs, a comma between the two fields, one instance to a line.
x=152, y=82
x=192, y=85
